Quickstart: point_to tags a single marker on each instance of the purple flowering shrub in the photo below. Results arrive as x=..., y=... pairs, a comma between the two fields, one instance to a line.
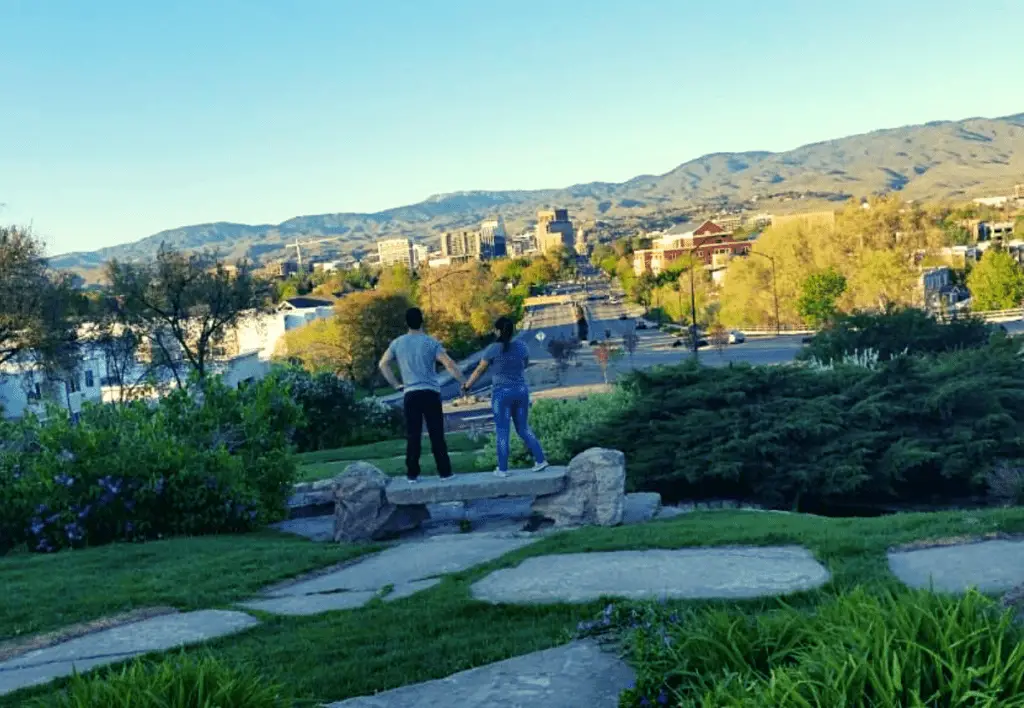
x=215, y=461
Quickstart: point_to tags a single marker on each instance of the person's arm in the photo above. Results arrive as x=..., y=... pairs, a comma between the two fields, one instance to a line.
x=387, y=371
x=449, y=363
x=477, y=373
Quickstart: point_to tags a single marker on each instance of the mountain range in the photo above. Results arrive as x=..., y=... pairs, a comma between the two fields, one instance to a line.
x=938, y=160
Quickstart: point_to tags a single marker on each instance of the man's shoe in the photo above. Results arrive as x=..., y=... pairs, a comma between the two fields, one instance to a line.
x=500, y=473
x=412, y=480
x=540, y=467
x=447, y=477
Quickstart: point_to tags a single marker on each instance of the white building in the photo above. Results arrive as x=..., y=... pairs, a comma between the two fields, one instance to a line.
x=397, y=251
x=25, y=388
x=420, y=254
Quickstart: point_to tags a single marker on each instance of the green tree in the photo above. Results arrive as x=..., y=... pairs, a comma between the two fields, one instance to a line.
x=996, y=282
x=819, y=296
x=36, y=304
x=184, y=305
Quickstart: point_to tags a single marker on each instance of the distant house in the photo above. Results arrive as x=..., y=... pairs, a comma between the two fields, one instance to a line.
x=304, y=302
x=708, y=242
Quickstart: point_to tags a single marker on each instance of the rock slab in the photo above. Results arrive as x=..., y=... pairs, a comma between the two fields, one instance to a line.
x=362, y=511
x=989, y=566
x=689, y=573
x=409, y=562
x=578, y=675
x=305, y=605
x=594, y=493
x=476, y=485
x=119, y=644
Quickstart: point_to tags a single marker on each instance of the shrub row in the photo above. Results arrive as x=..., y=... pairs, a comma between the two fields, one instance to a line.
x=913, y=429
x=215, y=460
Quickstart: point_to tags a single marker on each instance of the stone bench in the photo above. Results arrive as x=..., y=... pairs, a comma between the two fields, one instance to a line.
x=371, y=506
x=476, y=485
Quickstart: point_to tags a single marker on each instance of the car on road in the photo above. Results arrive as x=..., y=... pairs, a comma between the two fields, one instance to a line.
x=737, y=337
x=623, y=316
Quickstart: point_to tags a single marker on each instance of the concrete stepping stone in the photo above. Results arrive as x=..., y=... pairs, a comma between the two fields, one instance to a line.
x=118, y=644
x=989, y=566
x=304, y=605
x=399, y=565
x=577, y=675
x=690, y=573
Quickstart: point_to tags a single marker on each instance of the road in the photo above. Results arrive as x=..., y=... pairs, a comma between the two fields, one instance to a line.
x=654, y=347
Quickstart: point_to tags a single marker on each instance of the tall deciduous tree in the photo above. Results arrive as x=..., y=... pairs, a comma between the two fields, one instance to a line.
x=352, y=342
x=184, y=305
x=996, y=282
x=36, y=305
x=819, y=297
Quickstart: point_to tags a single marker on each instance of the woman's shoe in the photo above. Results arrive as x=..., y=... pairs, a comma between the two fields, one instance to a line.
x=540, y=467
x=500, y=473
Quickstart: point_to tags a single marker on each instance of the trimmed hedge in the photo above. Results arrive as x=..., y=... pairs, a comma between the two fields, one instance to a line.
x=913, y=429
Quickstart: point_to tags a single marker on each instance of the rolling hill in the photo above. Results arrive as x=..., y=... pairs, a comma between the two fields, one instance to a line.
x=938, y=160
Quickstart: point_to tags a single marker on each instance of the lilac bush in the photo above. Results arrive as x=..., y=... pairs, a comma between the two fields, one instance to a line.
x=212, y=461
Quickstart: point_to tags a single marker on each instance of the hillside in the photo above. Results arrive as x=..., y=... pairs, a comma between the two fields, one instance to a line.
x=944, y=159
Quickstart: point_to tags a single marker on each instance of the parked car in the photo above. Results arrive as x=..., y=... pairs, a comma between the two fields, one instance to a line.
x=623, y=316
x=641, y=325
x=737, y=337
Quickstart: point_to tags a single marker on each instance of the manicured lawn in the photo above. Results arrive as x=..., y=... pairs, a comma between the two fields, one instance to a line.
x=394, y=466
x=46, y=592
x=442, y=631
x=457, y=442
x=389, y=457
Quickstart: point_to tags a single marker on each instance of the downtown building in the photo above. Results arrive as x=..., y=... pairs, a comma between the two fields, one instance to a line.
x=709, y=243
x=555, y=230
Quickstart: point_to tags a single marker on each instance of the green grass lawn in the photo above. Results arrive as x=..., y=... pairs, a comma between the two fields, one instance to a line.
x=442, y=631
x=389, y=457
x=46, y=592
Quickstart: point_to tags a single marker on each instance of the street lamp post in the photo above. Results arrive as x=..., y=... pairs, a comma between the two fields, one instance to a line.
x=775, y=290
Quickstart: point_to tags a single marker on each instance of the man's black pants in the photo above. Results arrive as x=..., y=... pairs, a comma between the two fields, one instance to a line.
x=423, y=406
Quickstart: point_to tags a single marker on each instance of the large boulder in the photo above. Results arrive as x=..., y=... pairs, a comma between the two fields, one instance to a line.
x=361, y=508
x=594, y=492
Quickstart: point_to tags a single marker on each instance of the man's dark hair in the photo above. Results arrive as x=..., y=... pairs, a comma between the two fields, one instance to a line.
x=414, y=318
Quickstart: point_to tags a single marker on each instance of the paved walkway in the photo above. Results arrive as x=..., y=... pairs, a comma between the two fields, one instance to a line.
x=119, y=644
x=989, y=566
x=578, y=675
x=689, y=573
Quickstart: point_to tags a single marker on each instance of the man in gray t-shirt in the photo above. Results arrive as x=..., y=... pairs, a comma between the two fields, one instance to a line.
x=418, y=355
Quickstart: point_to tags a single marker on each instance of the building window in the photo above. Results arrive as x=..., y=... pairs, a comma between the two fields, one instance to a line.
x=73, y=384
x=36, y=392
x=89, y=380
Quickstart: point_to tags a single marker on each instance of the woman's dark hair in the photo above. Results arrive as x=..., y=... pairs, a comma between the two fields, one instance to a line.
x=505, y=328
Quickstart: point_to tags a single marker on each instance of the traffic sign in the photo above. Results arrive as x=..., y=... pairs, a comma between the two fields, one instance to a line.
x=541, y=336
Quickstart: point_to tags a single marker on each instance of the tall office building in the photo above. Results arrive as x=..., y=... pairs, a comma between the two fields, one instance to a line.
x=555, y=230
x=493, y=238
x=397, y=251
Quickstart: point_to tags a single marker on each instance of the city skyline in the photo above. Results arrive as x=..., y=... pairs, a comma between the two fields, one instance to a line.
x=124, y=121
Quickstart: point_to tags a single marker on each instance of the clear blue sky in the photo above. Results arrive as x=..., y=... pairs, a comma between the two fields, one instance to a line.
x=119, y=119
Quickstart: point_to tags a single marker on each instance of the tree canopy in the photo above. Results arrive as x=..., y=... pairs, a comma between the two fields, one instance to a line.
x=996, y=282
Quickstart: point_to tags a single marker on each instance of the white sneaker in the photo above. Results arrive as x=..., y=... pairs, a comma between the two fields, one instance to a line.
x=500, y=473
x=540, y=467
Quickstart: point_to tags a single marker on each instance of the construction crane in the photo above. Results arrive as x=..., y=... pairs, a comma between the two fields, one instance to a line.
x=298, y=247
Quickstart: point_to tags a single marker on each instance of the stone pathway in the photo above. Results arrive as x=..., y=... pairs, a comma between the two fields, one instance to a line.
x=408, y=569
x=989, y=566
x=118, y=644
x=578, y=675
x=690, y=573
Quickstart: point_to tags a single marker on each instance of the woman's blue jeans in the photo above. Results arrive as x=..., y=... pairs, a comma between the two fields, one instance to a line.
x=511, y=406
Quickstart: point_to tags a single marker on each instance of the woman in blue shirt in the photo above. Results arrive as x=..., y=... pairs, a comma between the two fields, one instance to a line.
x=510, y=400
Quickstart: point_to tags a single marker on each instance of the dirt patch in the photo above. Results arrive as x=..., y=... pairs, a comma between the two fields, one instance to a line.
x=956, y=541
x=18, y=647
